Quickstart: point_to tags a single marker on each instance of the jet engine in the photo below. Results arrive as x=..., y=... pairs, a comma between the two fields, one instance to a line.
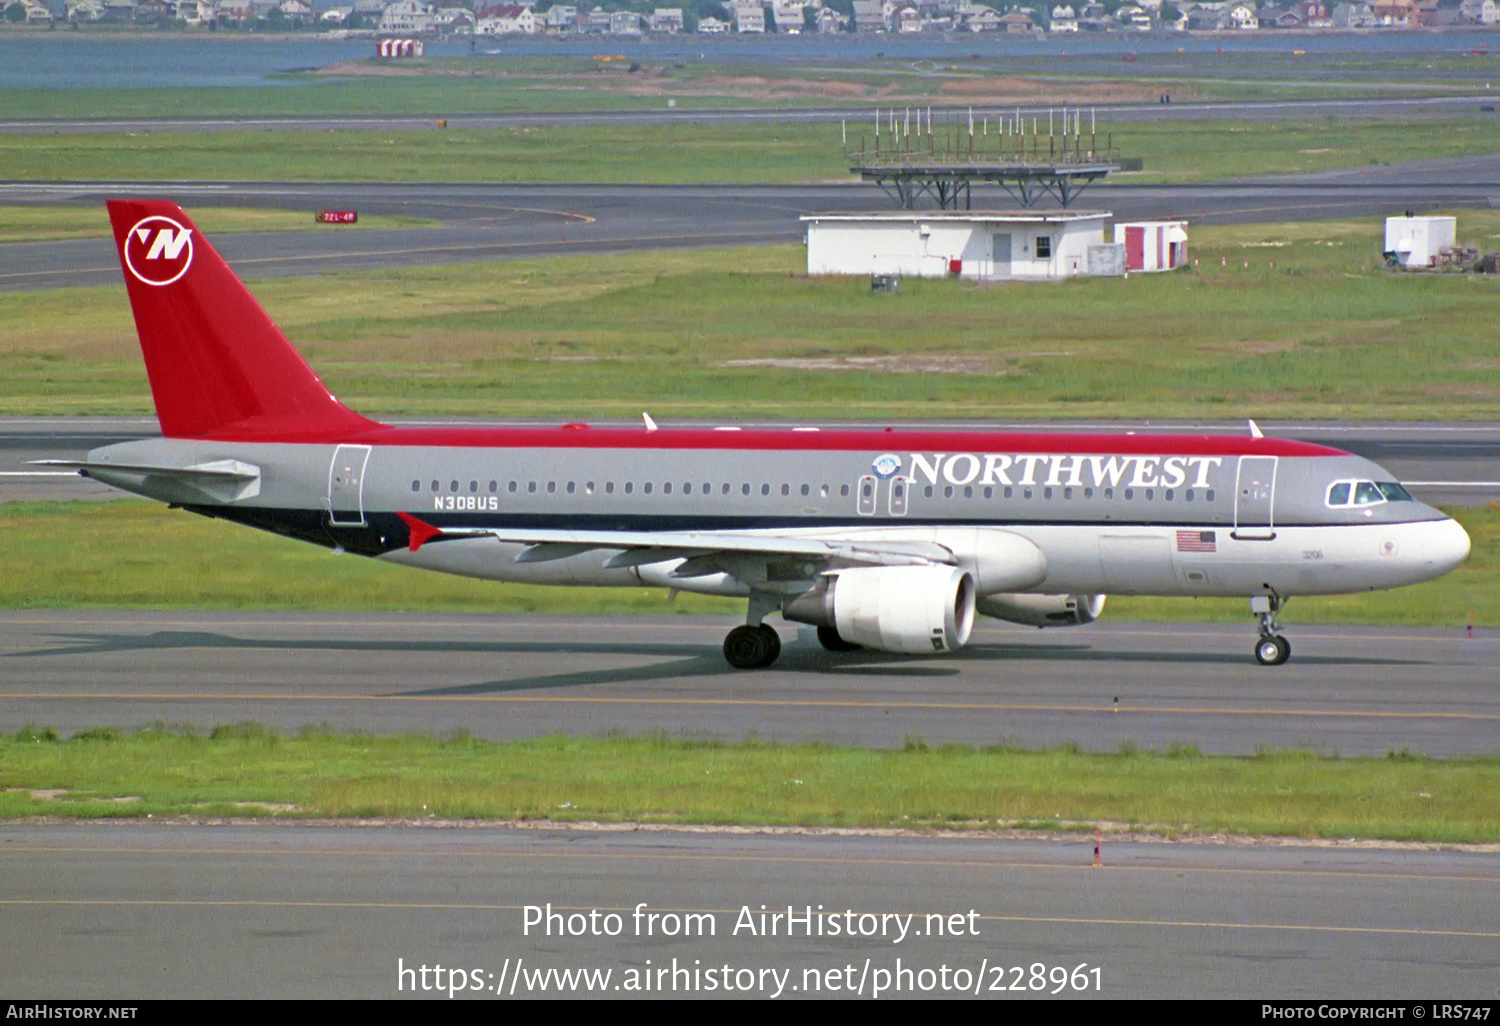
x=892, y=608
x=1043, y=610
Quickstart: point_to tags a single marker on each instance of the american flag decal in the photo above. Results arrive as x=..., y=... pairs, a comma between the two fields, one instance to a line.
x=1195, y=541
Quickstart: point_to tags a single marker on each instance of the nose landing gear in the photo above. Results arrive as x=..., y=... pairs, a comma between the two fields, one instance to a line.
x=1272, y=649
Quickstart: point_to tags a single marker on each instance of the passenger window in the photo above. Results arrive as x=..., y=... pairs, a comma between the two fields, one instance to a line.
x=609, y=488
x=765, y=489
x=453, y=486
x=745, y=489
x=646, y=488
x=666, y=489
x=494, y=487
x=571, y=487
x=416, y=486
x=531, y=487
x=434, y=486
x=927, y=492
x=844, y=492
x=551, y=487
x=629, y=487
x=473, y=487
x=512, y=487
x=806, y=490
x=786, y=489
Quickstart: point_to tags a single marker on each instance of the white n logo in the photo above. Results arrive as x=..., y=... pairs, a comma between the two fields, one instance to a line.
x=158, y=250
x=168, y=244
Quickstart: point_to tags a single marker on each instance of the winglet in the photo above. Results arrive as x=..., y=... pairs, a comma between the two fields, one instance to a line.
x=419, y=532
x=1255, y=431
x=650, y=424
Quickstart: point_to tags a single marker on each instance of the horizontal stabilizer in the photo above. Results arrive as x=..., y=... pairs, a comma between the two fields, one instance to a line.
x=226, y=480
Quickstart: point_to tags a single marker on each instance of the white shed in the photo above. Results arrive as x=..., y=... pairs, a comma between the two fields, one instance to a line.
x=1416, y=240
x=1153, y=245
x=987, y=246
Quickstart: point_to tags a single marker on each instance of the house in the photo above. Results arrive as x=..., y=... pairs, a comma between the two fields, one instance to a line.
x=830, y=20
x=561, y=19
x=869, y=16
x=748, y=17
x=1478, y=12
x=1315, y=13
x=908, y=20
x=787, y=17
x=296, y=12
x=1395, y=13
x=406, y=16
x=624, y=23
x=504, y=20
x=667, y=20
x=1017, y=24
x=1063, y=19
x=1238, y=17
x=1355, y=15
x=711, y=26
x=86, y=10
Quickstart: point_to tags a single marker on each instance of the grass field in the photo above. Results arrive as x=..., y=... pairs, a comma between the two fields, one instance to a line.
x=134, y=554
x=824, y=72
x=248, y=770
x=1285, y=320
x=1176, y=151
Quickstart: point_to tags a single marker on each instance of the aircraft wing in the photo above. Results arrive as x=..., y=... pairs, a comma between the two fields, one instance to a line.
x=703, y=550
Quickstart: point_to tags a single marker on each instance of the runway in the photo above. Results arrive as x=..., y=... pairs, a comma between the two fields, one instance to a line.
x=1346, y=691
x=506, y=221
x=1444, y=464
x=132, y=910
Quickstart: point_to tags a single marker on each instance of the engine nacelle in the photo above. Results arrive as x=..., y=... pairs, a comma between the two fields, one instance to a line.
x=912, y=609
x=1043, y=610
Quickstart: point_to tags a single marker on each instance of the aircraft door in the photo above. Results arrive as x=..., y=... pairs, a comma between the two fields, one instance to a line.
x=1254, y=495
x=346, y=486
x=900, y=490
x=868, y=490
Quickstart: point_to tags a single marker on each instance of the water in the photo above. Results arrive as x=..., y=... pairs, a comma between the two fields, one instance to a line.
x=67, y=60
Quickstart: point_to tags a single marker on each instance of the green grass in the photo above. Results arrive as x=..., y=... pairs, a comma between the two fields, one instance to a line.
x=1285, y=320
x=134, y=554
x=250, y=770
x=1186, y=151
x=32, y=224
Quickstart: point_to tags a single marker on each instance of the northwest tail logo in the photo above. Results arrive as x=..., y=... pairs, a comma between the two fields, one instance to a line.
x=158, y=250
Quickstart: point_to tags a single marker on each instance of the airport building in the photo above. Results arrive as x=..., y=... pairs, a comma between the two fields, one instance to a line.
x=985, y=246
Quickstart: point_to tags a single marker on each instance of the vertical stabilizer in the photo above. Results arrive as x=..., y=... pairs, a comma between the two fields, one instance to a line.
x=217, y=362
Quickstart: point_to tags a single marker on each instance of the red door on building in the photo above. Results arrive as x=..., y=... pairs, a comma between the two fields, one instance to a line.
x=1135, y=248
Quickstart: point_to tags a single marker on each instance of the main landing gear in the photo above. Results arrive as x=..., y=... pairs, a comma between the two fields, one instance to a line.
x=1272, y=649
x=752, y=646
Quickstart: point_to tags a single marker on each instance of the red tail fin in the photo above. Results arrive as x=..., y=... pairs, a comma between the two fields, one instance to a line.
x=216, y=360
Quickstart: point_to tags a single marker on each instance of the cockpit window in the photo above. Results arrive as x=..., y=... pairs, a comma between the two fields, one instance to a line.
x=1365, y=493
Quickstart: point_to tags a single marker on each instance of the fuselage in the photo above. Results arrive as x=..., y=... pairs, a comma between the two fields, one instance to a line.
x=1109, y=513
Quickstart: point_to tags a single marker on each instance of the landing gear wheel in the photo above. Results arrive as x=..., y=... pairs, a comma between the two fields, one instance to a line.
x=750, y=648
x=829, y=638
x=1272, y=650
x=773, y=643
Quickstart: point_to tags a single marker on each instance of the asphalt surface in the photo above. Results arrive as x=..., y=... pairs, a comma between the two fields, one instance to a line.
x=494, y=222
x=1445, y=464
x=131, y=911
x=1346, y=690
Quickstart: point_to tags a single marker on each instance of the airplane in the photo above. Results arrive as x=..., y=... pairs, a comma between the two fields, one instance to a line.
x=882, y=539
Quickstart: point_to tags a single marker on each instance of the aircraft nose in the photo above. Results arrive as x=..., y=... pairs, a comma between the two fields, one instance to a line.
x=1445, y=544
